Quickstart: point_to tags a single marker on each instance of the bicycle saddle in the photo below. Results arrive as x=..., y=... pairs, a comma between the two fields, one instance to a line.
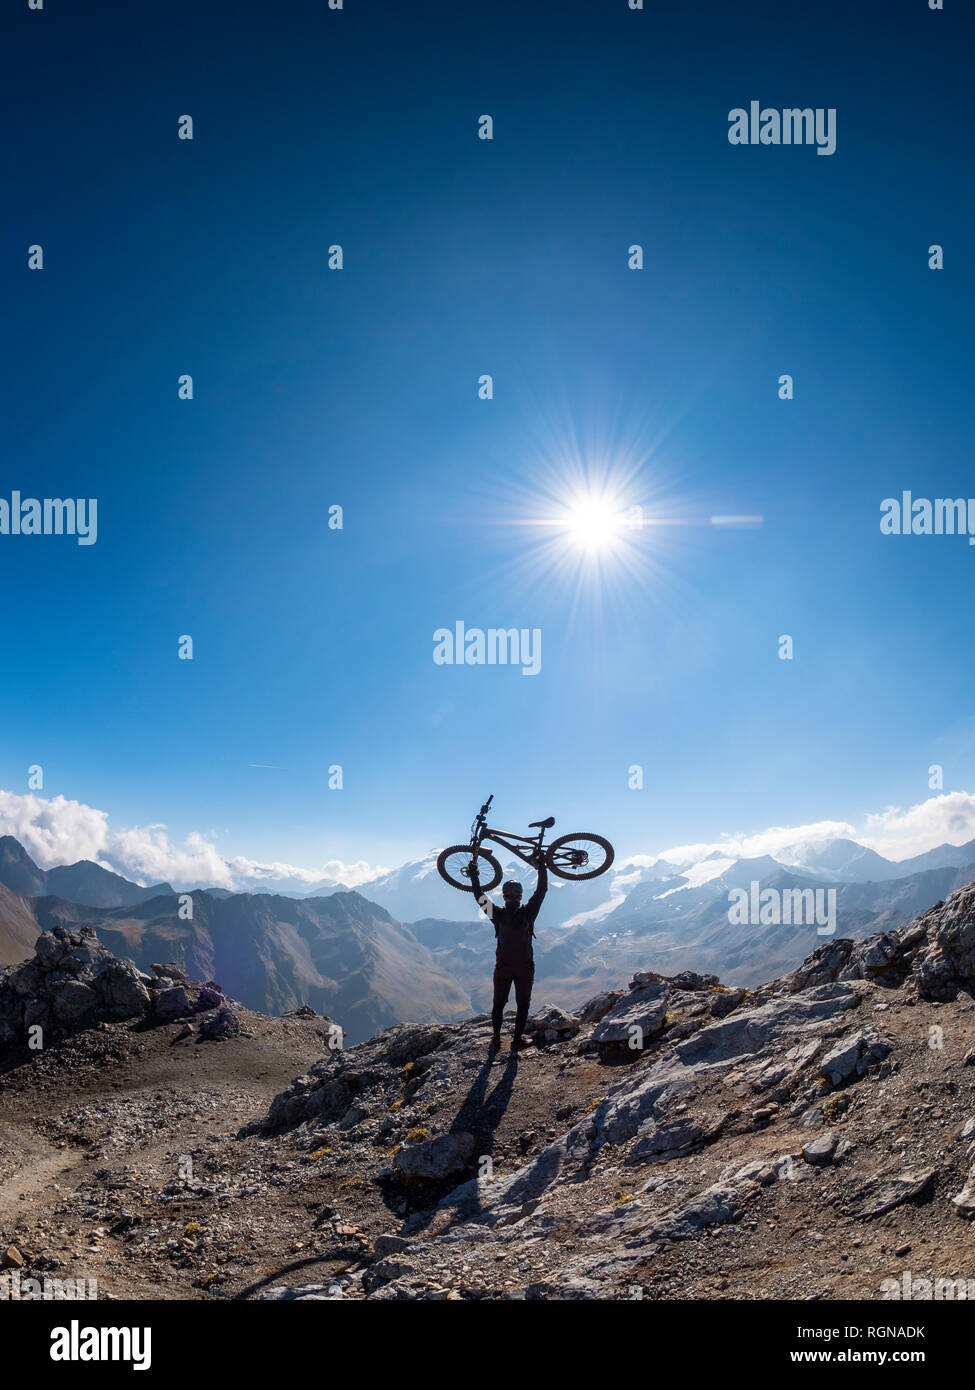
x=542, y=824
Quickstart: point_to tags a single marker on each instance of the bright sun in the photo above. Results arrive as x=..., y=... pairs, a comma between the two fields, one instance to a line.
x=594, y=522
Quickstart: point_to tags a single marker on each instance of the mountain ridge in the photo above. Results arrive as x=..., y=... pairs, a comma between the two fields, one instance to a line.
x=83, y=881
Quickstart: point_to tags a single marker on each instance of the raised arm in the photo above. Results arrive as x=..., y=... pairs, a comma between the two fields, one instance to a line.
x=533, y=906
x=483, y=901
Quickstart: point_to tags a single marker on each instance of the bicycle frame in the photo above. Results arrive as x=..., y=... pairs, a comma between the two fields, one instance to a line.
x=505, y=838
x=481, y=831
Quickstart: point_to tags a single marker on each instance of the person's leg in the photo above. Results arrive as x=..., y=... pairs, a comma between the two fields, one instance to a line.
x=523, y=996
x=502, y=988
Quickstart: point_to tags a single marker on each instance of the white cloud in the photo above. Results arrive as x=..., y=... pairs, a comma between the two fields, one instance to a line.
x=894, y=832
x=55, y=831
x=737, y=846
x=899, y=834
x=58, y=831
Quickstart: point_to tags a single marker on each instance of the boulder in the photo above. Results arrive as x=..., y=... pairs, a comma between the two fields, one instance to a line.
x=821, y=1150
x=694, y=983
x=74, y=1003
x=853, y=1055
x=724, y=1001
x=553, y=1024
x=356, y=1113
x=220, y=1026
x=388, y=1245
x=965, y=1200
x=171, y=1003
x=171, y=971
x=436, y=1158
x=596, y=1009
x=122, y=989
x=639, y=1015
x=72, y=982
x=210, y=996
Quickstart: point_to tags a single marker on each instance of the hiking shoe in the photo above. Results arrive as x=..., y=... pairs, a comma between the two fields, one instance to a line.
x=495, y=1044
x=519, y=1044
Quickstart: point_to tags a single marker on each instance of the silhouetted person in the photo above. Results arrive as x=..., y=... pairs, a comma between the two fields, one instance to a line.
x=514, y=927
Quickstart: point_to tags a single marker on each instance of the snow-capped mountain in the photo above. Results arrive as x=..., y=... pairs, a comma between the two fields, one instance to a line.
x=657, y=889
x=843, y=861
x=416, y=891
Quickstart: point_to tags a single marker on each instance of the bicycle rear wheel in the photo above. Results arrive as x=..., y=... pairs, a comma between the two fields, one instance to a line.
x=453, y=862
x=579, y=856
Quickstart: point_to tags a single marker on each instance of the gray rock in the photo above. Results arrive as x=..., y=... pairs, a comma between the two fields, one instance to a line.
x=886, y=1193
x=852, y=1056
x=820, y=1150
x=757, y=1171
x=596, y=1009
x=724, y=1001
x=385, y=1271
x=72, y=982
x=356, y=1113
x=172, y=972
x=74, y=1002
x=220, y=1026
x=122, y=989
x=652, y=1095
x=639, y=1015
x=436, y=1158
x=173, y=1002
x=389, y=1245
x=965, y=1200
x=552, y=1023
x=49, y=949
x=935, y=952
x=37, y=1013
x=282, y=1293
x=666, y=1141
x=715, y=1206
x=694, y=983
x=642, y=978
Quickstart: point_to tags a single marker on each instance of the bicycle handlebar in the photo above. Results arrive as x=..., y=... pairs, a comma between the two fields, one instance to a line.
x=481, y=818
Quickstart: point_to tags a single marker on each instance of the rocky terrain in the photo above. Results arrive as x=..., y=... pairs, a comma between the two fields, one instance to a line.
x=675, y=1138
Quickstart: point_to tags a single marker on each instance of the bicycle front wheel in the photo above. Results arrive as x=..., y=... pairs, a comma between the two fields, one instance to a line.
x=579, y=856
x=454, y=865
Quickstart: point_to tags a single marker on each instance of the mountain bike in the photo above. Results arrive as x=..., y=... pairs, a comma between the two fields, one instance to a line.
x=569, y=856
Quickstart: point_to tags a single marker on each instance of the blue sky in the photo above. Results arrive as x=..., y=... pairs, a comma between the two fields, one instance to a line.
x=358, y=387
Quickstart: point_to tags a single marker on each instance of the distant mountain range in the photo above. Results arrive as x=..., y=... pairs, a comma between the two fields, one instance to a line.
x=407, y=947
x=416, y=891
x=83, y=882
x=344, y=956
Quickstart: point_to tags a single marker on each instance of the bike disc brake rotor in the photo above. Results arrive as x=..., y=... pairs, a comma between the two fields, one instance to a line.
x=575, y=858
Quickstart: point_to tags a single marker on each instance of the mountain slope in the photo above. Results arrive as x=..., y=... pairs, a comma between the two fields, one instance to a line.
x=344, y=956
x=19, y=929
x=689, y=928
x=82, y=882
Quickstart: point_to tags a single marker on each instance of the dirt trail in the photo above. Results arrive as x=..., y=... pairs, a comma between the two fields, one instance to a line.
x=92, y=1131
x=40, y=1164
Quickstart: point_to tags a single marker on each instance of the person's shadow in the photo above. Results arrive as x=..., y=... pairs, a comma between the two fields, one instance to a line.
x=480, y=1114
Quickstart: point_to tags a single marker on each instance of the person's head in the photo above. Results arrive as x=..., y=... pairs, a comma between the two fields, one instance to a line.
x=511, y=892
